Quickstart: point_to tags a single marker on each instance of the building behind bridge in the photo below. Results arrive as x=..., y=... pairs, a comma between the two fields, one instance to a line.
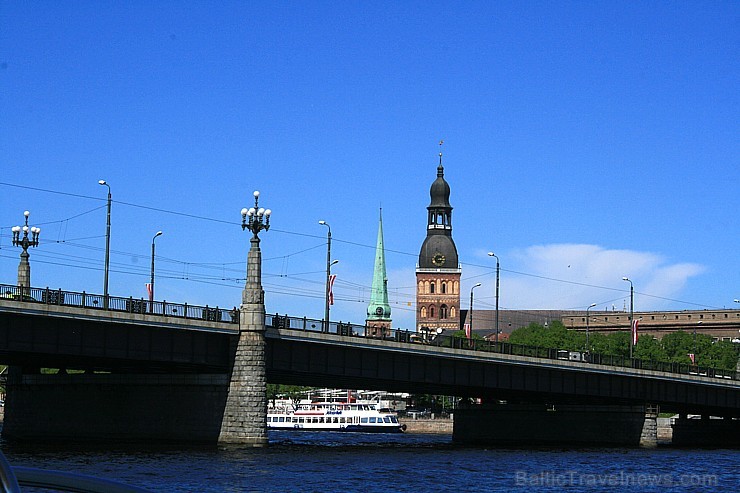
x=719, y=324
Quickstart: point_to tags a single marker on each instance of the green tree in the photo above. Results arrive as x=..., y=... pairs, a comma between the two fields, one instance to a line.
x=275, y=390
x=677, y=346
x=459, y=339
x=720, y=354
x=554, y=336
x=649, y=348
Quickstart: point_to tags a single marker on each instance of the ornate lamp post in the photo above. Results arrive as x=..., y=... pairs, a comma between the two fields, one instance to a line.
x=632, y=310
x=498, y=270
x=24, y=269
x=107, y=248
x=325, y=328
x=588, y=347
x=151, y=286
x=245, y=415
x=255, y=219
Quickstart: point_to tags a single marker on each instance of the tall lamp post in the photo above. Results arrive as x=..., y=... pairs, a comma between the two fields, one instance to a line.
x=328, y=275
x=588, y=347
x=24, y=268
x=632, y=309
x=498, y=270
x=151, y=288
x=107, y=248
x=470, y=317
x=244, y=418
x=696, y=357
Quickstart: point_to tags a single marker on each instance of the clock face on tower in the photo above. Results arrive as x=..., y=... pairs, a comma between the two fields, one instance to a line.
x=379, y=310
x=438, y=259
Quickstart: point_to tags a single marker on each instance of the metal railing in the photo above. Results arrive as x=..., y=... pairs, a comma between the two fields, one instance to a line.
x=443, y=340
x=216, y=314
x=118, y=304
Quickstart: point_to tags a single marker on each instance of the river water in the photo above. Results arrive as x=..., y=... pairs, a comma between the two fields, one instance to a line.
x=416, y=463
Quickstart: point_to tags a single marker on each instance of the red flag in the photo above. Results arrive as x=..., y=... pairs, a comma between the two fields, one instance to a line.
x=635, y=323
x=467, y=331
x=149, y=291
x=331, y=288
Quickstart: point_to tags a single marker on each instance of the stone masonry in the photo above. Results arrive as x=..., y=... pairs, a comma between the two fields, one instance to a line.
x=245, y=416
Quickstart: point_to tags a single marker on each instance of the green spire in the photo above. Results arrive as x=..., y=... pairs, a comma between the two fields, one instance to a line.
x=379, y=309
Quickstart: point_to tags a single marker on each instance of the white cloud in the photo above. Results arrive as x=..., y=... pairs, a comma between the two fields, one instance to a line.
x=572, y=276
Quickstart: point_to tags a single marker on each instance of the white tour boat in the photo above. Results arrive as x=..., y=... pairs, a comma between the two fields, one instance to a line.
x=310, y=415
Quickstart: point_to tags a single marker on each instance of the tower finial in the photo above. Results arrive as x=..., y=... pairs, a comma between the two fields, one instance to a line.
x=440, y=151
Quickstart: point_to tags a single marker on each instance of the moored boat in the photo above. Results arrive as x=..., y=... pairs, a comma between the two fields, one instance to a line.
x=310, y=415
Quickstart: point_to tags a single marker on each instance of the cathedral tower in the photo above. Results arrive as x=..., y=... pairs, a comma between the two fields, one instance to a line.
x=438, y=271
x=378, y=320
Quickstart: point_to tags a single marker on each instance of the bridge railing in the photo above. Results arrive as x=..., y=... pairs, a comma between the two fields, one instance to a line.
x=442, y=340
x=118, y=304
x=216, y=314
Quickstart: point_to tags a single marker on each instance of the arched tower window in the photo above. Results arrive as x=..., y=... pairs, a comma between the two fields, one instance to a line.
x=423, y=312
x=456, y=288
x=431, y=287
x=443, y=311
x=421, y=287
x=452, y=312
x=426, y=287
x=431, y=311
x=444, y=287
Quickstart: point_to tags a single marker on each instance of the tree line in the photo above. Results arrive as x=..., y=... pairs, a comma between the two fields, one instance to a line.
x=673, y=348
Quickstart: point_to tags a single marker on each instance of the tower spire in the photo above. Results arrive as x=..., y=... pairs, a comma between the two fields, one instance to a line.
x=379, y=310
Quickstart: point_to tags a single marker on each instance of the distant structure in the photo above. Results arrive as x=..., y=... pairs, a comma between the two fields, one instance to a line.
x=720, y=324
x=378, y=320
x=438, y=271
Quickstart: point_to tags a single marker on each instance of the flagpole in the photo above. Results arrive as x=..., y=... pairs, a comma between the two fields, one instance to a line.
x=632, y=309
x=325, y=325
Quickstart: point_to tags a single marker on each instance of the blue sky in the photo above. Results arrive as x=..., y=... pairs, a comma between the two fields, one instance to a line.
x=583, y=142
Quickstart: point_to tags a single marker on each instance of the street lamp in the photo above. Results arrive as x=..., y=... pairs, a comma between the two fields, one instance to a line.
x=107, y=248
x=151, y=287
x=498, y=269
x=696, y=357
x=256, y=218
x=588, y=347
x=470, y=317
x=328, y=275
x=632, y=311
x=24, y=269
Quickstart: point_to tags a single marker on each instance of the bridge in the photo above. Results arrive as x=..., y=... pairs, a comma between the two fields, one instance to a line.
x=42, y=328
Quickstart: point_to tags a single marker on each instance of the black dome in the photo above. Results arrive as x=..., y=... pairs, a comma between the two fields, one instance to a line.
x=440, y=190
x=438, y=245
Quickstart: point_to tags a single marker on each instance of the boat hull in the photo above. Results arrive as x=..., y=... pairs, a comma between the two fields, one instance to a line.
x=347, y=428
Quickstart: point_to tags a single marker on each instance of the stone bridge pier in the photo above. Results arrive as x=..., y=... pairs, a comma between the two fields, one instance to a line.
x=555, y=425
x=245, y=415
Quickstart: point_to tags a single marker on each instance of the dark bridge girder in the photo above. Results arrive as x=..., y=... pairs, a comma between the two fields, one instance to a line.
x=87, y=340
x=83, y=344
x=343, y=364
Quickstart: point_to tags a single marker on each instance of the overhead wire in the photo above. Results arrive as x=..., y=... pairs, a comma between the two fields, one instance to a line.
x=348, y=242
